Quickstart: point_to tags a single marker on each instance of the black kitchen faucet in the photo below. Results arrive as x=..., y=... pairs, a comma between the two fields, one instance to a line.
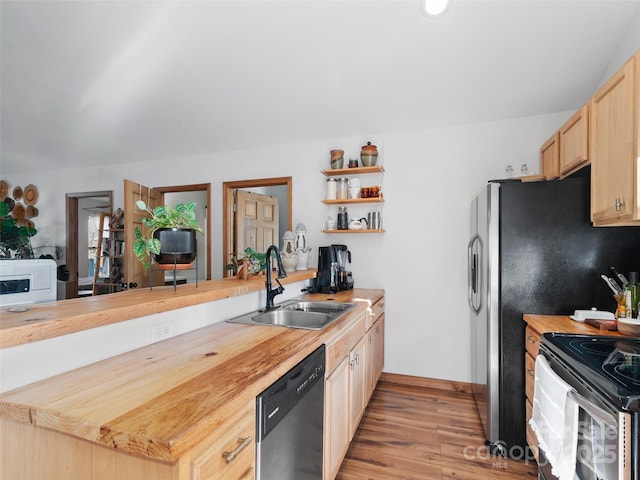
x=272, y=292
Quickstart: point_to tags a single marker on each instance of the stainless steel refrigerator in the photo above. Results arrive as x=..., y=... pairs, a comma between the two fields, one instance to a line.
x=532, y=249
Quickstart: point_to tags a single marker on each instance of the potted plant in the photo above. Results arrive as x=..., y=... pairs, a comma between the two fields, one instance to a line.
x=15, y=238
x=252, y=262
x=170, y=237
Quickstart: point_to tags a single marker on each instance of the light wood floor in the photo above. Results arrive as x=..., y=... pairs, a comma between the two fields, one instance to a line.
x=420, y=433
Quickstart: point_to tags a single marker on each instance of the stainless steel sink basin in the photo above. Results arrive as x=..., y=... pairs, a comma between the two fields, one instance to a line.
x=297, y=314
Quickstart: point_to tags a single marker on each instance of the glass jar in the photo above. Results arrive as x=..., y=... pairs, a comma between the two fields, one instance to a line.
x=343, y=219
x=342, y=189
x=331, y=189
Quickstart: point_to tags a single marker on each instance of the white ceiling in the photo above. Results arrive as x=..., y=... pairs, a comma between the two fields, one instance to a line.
x=88, y=82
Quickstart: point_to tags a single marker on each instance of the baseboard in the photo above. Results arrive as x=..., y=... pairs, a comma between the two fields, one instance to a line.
x=448, y=385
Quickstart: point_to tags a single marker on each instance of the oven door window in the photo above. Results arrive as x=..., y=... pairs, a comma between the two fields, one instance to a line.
x=597, y=442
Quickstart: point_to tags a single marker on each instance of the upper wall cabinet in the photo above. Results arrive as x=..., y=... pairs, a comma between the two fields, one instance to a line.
x=614, y=148
x=574, y=142
x=568, y=149
x=550, y=157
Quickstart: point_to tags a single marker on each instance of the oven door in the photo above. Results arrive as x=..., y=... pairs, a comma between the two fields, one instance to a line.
x=603, y=440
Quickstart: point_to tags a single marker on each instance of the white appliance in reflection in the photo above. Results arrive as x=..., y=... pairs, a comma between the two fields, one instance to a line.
x=24, y=281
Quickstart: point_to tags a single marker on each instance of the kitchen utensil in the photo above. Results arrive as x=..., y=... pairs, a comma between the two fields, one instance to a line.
x=615, y=288
x=343, y=218
x=620, y=276
x=354, y=192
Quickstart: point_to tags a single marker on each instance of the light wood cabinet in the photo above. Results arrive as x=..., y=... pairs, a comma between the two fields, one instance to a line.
x=44, y=453
x=550, y=157
x=336, y=414
x=615, y=148
x=355, y=359
x=574, y=142
x=374, y=346
x=228, y=453
x=357, y=384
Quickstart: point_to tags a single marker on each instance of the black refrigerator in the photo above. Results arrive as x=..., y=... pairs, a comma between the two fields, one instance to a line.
x=533, y=250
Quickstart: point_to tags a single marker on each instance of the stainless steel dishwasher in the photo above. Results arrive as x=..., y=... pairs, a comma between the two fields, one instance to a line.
x=290, y=423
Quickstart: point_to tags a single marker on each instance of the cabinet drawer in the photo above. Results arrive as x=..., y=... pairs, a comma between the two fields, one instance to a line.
x=229, y=453
x=375, y=312
x=532, y=341
x=529, y=375
x=340, y=346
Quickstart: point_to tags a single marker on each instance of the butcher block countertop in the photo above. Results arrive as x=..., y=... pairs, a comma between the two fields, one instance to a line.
x=48, y=320
x=563, y=324
x=161, y=400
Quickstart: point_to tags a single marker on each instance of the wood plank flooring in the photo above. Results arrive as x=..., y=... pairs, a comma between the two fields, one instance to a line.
x=419, y=433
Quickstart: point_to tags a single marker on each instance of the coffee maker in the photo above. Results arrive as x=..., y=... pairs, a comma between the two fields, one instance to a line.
x=332, y=273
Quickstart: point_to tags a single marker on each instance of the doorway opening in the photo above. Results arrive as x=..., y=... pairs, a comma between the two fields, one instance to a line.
x=82, y=208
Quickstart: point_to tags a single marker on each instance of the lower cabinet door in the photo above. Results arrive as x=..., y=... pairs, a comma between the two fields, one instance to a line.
x=336, y=414
x=230, y=453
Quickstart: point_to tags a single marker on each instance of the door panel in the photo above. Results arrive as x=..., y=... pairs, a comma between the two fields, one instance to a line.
x=256, y=221
x=134, y=269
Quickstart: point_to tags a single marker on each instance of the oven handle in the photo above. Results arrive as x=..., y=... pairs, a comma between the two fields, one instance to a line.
x=596, y=412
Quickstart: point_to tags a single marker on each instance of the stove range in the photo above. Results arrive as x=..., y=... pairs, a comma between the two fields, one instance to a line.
x=609, y=364
x=604, y=372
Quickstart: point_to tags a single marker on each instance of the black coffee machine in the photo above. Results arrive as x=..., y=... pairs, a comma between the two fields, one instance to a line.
x=332, y=269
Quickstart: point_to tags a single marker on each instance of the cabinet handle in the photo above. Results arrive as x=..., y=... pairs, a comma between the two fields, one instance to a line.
x=619, y=204
x=242, y=444
x=531, y=374
x=531, y=339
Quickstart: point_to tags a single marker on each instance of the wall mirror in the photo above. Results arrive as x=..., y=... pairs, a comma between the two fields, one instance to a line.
x=255, y=213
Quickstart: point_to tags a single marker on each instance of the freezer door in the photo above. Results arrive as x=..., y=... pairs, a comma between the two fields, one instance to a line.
x=483, y=279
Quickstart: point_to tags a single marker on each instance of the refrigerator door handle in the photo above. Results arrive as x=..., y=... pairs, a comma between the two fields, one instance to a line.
x=473, y=273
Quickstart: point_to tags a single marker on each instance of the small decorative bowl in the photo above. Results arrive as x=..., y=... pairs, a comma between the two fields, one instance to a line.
x=629, y=326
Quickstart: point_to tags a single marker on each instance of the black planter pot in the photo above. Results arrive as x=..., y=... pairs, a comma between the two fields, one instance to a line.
x=177, y=246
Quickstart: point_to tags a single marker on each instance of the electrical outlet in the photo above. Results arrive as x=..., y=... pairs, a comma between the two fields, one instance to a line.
x=160, y=332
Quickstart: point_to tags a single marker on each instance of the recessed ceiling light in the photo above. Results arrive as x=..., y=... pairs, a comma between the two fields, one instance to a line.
x=434, y=8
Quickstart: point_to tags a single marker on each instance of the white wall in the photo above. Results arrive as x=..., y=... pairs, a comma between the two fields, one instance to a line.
x=431, y=177
x=627, y=47
x=24, y=364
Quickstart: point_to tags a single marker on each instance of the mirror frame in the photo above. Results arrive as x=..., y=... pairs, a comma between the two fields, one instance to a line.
x=227, y=208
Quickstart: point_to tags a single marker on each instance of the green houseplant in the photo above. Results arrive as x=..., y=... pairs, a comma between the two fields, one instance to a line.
x=15, y=239
x=161, y=219
x=257, y=261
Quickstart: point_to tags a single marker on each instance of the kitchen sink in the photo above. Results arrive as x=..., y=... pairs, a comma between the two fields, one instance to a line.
x=297, y=314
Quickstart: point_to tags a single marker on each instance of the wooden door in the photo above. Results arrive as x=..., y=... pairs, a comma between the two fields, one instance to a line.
x=357, y=385
x=574, y=142
x=612, y=148
x=550, y=157
x=336, y=419
x=134, y=270
x=256, y=221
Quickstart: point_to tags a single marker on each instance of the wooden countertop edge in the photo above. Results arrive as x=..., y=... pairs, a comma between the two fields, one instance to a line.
x=564, y=324
x=53, y=319
x=137, y=428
